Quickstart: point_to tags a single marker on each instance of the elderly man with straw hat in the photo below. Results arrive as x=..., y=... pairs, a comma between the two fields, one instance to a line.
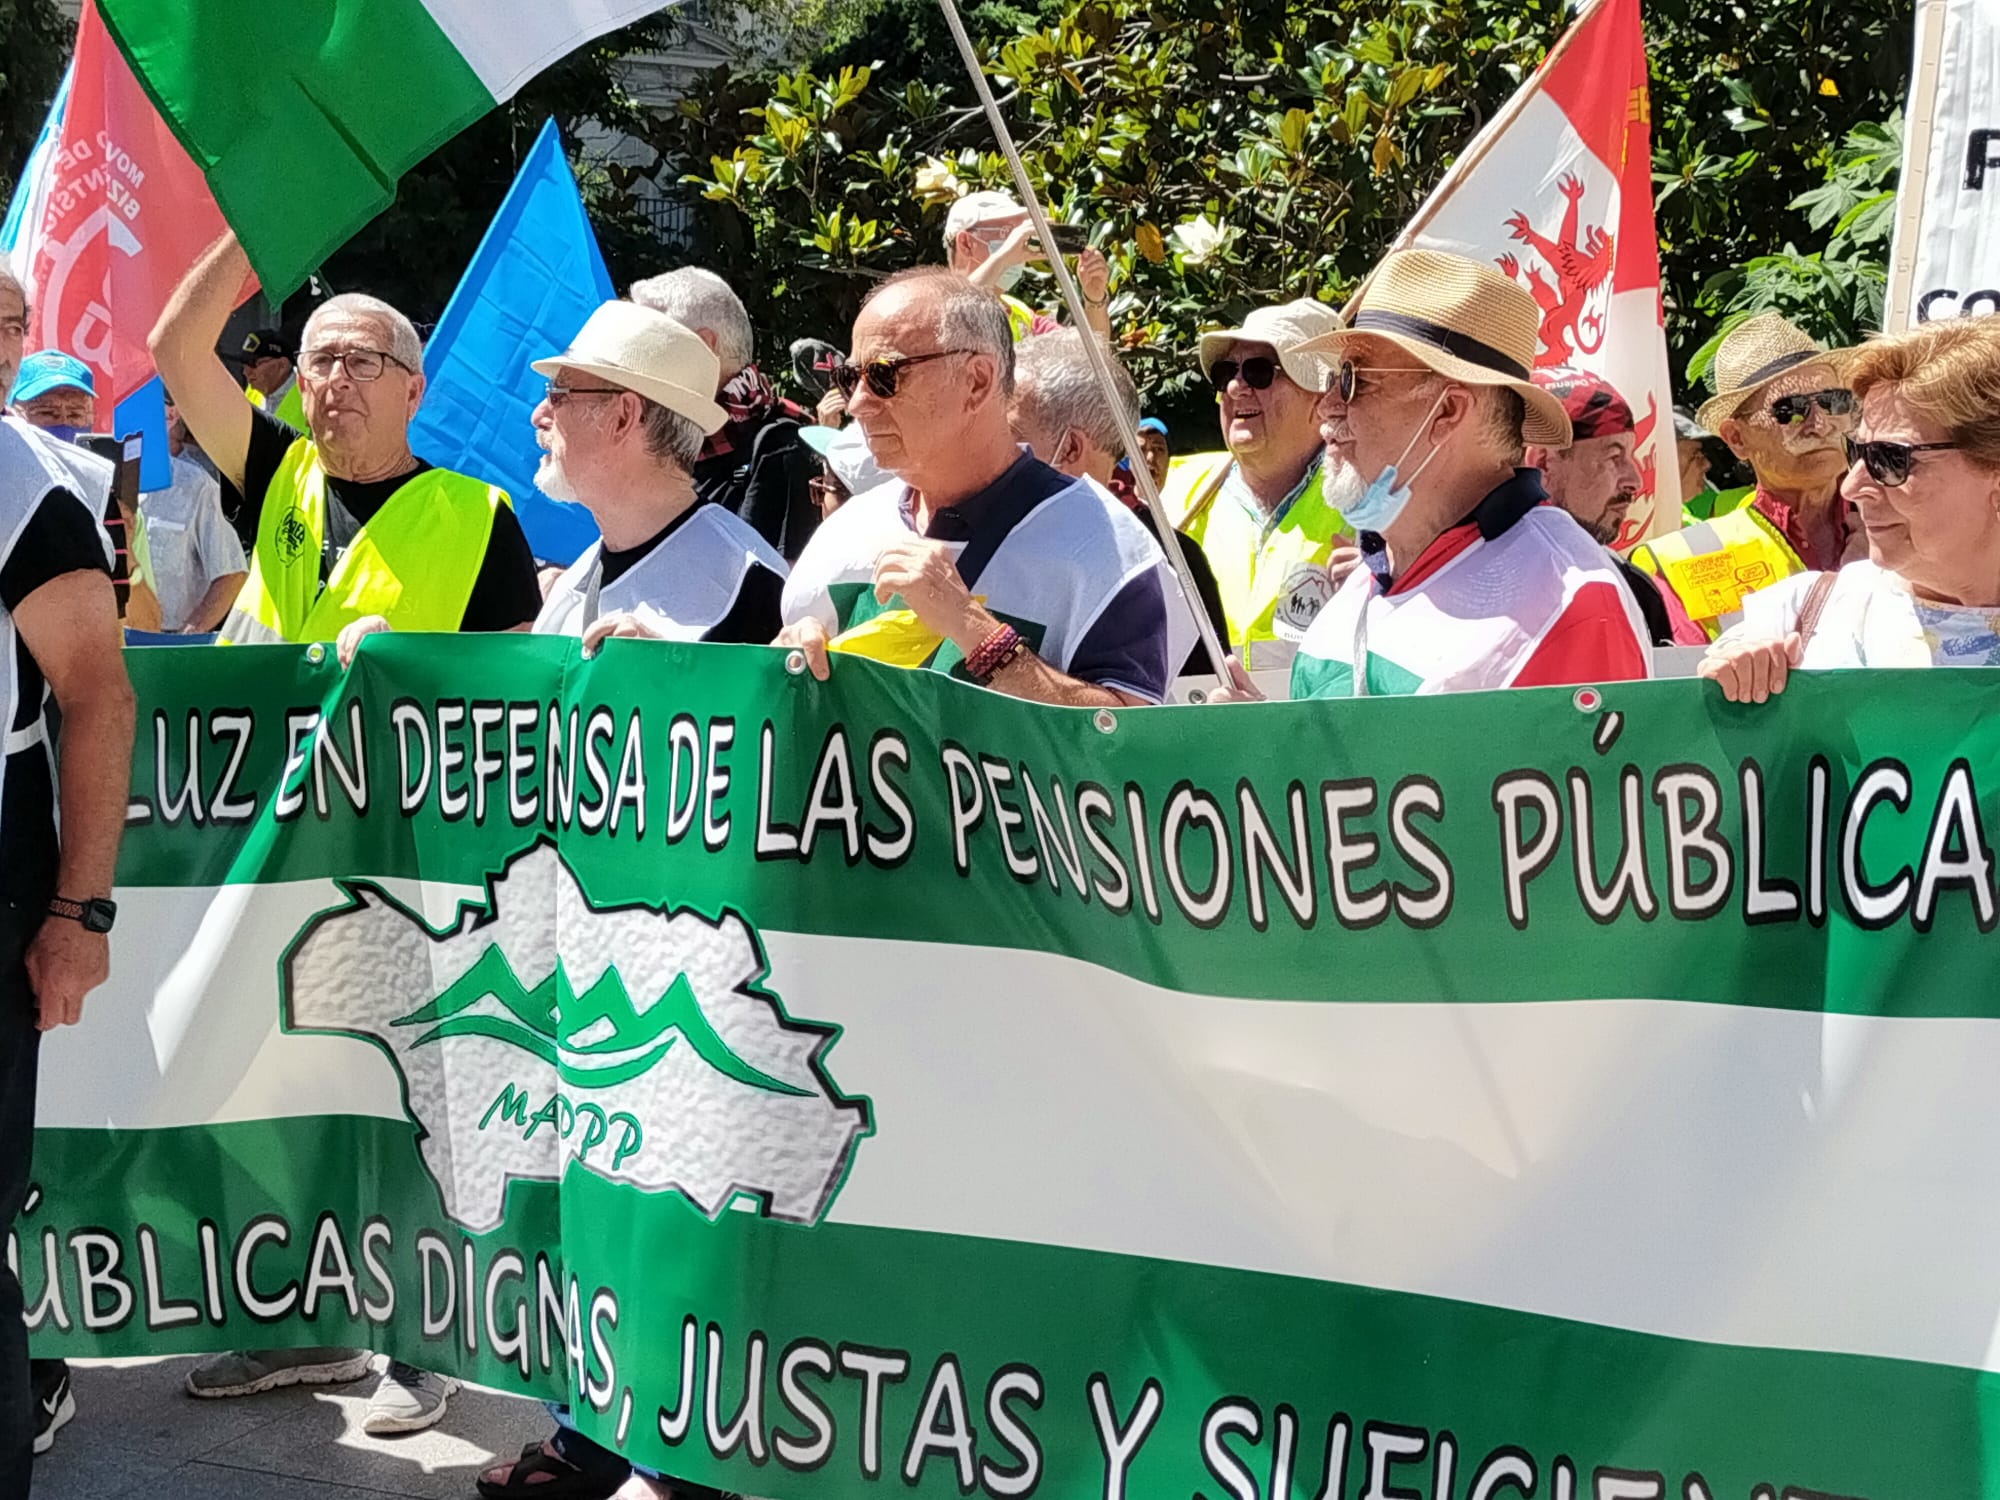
x=1472, y=579
x=1257, y=510
x=1783, y=407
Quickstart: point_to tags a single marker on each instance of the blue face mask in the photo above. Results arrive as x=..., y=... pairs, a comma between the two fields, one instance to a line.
x=1383, y=501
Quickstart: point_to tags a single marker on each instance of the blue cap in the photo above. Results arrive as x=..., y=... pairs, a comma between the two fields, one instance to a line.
x=51, y=370
x=1153, y=424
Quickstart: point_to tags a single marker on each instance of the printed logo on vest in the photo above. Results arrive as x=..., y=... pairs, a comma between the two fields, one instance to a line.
x=541, y=1029
x=293, y=535
x=1300, y=599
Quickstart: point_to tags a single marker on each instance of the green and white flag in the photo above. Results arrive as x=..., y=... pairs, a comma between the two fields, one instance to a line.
x=303, y=114
x=886, y=1086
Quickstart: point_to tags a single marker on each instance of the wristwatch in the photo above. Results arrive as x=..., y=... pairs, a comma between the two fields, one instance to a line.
x=96, y=914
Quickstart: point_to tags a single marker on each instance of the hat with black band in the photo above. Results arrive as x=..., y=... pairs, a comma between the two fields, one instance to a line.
x=1752, y=355
x=1468, y=321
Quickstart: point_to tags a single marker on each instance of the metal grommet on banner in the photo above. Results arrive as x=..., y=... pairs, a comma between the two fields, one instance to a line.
x=316, y=654
x=795, y=662
x=1588, y=700
x=1105, y=720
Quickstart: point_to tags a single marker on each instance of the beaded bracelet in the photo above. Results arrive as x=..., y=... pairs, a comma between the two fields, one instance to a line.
x=992, y=654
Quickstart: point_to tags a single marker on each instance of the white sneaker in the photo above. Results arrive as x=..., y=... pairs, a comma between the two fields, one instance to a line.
x=251, y=1372
x=407, y=1400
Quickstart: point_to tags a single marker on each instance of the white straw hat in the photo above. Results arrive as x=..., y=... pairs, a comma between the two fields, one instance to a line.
x=1466, y=320
x=1752, y=355
x=649, y=354
x=1285, y=328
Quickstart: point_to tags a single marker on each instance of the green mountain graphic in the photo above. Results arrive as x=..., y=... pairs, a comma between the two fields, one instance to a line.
x=651, y=1036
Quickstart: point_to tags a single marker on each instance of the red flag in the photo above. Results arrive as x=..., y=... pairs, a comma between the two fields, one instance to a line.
x=1558, y=191
x=128, y=213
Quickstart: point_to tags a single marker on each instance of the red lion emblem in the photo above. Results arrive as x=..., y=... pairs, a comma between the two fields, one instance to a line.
x=1575, y=306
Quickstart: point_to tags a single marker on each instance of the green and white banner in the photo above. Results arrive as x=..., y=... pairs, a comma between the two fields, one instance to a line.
x=885, y=1086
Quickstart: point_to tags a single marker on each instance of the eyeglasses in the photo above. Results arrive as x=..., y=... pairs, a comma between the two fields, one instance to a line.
x=882, y=375
x=362, y=365
x=1257, y=372
x=556, y=395
x=1347, y=382
x=1889, y=463
x=1788, y=411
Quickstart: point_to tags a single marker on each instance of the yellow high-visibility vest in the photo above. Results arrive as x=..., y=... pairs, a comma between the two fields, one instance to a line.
x=414, y=562
x=291, y=408
x=1273, y=577
x=1713, y=564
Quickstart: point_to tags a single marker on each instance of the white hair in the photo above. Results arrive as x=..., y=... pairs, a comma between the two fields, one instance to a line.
x=671, y=437
x=404, y=345
x=701, y=300
x=1056, y=389
x=975, y=209
x=969, y=319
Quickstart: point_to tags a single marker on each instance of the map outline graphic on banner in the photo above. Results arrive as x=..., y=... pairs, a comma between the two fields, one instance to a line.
x=775, y=1128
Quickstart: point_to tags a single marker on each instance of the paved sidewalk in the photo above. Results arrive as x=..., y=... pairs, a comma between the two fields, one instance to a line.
x=138, y=1433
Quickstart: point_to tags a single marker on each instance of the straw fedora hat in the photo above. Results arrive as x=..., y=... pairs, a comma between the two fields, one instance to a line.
x=1752, y=355
x=1285, y=328
x=1467, y=320
x=649, y=354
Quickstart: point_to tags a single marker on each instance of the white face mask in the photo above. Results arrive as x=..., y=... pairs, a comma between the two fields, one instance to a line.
x=1376, y=507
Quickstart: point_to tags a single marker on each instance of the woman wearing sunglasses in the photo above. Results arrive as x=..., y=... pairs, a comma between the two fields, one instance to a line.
x=1924, y=473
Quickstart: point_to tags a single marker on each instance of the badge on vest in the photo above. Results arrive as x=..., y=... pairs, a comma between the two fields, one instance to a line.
x=1300, y=599
x=294, y=536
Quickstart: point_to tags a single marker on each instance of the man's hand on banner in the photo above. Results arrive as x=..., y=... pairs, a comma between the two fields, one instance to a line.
x=65, y=962
x=354, y=633
x=808, y=638
x=1235, y=686
x=1751, y=671
x=623, y=624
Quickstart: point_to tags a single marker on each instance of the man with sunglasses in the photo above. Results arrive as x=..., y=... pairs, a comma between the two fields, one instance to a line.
x=1472, y=580
x=1782, y=407
x=1258, y=510
x=343, y=525
x=978, y=559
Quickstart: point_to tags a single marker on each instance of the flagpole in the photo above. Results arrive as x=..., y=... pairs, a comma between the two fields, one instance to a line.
x=1913, y=186
x=1095, y=349
x=1476, y=153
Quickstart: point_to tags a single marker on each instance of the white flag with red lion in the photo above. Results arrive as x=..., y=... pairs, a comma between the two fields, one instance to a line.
x=1558, y=192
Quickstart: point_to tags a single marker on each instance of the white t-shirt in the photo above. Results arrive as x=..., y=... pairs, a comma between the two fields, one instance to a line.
x=185, y=543
x=1871, y=619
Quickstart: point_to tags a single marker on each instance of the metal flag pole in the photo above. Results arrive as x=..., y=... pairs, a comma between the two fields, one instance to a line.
x=1095, y=348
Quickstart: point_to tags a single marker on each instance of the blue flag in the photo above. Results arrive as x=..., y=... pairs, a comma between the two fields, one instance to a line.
x=145, y=412
x=537, y=277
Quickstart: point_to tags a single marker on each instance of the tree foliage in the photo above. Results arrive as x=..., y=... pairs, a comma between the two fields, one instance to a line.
x=1225, y=153
x=35, y=43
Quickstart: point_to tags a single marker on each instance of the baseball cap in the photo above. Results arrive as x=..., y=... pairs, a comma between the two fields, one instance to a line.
x=1595, y=408
x=979, y=208
x=1153, y=424
x=845, y=450
x=264, y=343
x=51, y=370
x=1687, y=429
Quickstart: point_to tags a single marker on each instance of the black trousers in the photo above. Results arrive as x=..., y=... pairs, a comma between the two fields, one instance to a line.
x=20, y=1047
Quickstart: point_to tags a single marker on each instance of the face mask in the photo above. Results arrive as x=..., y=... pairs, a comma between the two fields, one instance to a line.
x=1383, y=501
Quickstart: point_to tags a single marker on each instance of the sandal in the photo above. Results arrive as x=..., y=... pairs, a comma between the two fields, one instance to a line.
x=540, y=1473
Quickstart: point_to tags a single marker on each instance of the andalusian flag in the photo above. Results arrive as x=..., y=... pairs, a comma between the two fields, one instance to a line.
x=304, y=114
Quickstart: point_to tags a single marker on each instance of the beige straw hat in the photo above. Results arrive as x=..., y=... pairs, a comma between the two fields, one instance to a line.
x=1466, y=320
x=1285, y=328
x=1752, y=355
x=648, y=353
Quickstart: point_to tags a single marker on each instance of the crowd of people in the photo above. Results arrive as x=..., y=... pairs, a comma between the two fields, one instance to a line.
x=1400, y=502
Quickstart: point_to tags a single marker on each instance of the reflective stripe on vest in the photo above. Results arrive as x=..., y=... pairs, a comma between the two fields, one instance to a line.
x=1712, y=564
x=414, y=562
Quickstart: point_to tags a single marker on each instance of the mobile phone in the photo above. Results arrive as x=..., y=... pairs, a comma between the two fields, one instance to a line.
x=123, y=455
x=1070, y=238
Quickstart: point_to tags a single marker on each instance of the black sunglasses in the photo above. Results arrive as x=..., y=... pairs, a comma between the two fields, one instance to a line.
x=1888, y=463
x=1257, y=372
x=881, y=375
x=1787, y=411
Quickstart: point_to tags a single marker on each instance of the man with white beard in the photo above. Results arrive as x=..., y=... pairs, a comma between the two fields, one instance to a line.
x=1472, y=579
x=627, y=407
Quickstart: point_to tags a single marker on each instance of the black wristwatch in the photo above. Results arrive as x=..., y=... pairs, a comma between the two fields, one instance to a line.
x=96, y=914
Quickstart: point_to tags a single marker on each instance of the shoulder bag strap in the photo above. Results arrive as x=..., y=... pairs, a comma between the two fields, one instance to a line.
x=1814, y=606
